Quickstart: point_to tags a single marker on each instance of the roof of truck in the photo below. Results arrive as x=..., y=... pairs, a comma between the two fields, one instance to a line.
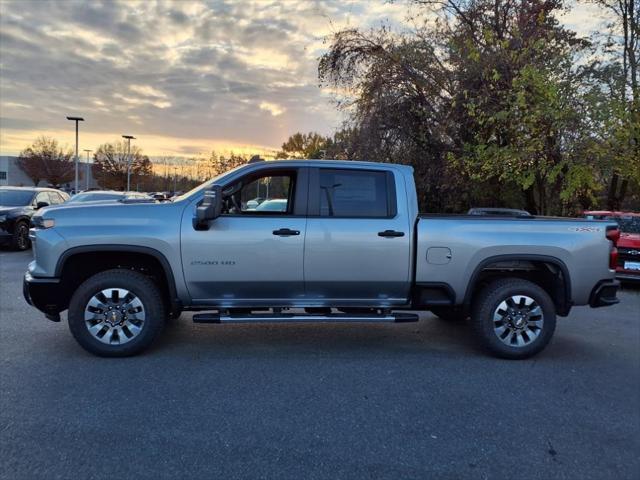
x=323, y=162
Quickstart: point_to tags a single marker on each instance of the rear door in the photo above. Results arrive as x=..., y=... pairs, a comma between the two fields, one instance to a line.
x=357, y=248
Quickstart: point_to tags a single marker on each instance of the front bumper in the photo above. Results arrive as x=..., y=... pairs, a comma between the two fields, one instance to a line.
x=6, y=237
x=604, y=294
x=44, y=294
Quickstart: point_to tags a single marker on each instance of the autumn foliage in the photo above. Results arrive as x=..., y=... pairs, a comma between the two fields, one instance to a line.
x=111, y=162
x=46, y=160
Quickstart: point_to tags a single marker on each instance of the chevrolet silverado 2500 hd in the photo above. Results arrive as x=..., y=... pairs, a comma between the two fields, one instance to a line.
x=308, y=240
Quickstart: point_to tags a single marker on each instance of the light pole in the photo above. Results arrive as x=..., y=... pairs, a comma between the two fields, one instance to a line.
x=129, y=138
x=88, y=152
x=175, y=179
x=76, y=119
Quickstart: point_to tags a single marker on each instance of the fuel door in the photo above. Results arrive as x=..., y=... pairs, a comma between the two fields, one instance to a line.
x=438, y=255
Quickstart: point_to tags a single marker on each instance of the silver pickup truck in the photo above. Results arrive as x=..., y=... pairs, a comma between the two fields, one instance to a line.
x=299, y=241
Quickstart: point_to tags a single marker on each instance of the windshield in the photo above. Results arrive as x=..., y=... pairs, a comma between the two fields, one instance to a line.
x=627, y=223
x=15, y=198
x=92, y=197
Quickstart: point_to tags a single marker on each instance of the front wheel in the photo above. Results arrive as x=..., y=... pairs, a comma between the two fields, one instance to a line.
x=513, y=318
x=116, y=313
x=20, y=239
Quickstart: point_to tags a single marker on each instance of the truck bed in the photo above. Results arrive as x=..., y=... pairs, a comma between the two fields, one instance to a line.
x=451, y=249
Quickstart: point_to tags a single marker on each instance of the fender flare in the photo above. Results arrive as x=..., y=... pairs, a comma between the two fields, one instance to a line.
x=166, y=267
x=567, y=300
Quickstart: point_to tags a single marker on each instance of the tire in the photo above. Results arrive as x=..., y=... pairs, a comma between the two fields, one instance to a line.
x=449, y=314
x=20, y=240
x=513, y=318
x=123, y=309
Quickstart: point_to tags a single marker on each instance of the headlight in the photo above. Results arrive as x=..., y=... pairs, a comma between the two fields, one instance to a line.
x=38, y=222
x=2, y=218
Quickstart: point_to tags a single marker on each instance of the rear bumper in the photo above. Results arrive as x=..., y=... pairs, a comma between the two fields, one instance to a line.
x=628, y=277
x=604, y=294
x=44, y=294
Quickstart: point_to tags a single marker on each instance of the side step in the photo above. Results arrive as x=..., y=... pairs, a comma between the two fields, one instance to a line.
x=301, y=318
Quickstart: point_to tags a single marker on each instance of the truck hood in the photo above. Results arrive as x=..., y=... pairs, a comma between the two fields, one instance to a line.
x=112, y=213
x=10, y=209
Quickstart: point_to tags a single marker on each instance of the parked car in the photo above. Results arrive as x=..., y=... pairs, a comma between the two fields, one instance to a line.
x=17, y=206
x=254, y=202
x=160, y=196
x=347, y=245
x=273, y=205
x=628, y=267
x=507, y=212
x=106, y=195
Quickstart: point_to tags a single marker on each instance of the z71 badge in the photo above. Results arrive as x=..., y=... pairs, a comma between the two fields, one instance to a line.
x=585, y=229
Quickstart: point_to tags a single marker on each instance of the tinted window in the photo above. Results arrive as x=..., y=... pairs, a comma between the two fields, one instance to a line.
x=353, y=193
x=627, y=224
x=15, y=198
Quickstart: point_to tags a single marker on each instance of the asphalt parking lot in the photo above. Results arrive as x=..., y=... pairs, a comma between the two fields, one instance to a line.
x=318, y=401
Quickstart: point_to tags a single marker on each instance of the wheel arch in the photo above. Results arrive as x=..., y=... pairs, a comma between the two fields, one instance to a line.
x=79, y=263
x=557, y=283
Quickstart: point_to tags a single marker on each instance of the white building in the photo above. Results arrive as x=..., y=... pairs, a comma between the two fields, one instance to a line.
x=12, y=174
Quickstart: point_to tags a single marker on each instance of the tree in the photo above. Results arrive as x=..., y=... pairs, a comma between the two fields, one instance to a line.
x=46, y=160
x=488, y=103
x=111, y=163
x=304, y=145
x=621, y=123
x=220, y=163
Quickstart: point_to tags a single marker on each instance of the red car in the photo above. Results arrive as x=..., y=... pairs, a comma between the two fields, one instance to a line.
x=629, y=243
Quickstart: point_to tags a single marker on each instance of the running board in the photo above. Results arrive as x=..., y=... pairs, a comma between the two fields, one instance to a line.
x=301, y=318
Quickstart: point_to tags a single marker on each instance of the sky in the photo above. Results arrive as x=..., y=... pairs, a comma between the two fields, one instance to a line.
x=184, y=77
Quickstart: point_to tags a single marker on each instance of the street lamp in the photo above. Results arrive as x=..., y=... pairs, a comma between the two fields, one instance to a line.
x=175, y=179
x=129, y=138
x=88, y=152
x=76, y=119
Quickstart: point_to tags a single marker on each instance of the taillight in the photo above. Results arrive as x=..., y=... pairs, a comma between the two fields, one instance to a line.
x=613, y=234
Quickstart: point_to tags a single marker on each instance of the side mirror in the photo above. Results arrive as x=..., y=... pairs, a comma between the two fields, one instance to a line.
x=40, y=205
x=209, y=209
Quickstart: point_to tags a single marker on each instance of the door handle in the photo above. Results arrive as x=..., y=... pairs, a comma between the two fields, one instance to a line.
x=285, y=232
x=390, y=233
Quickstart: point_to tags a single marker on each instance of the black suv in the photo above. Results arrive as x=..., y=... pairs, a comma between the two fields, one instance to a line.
x=17, y=206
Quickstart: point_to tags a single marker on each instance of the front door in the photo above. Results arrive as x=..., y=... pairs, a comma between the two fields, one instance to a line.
x=252, y=254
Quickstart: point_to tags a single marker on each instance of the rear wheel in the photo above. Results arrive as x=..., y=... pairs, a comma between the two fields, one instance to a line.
x=513, y=318
x=116, y=313
x=21, y=236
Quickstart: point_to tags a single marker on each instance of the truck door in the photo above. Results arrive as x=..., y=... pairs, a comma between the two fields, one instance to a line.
x=253, y=253
x=357, y=248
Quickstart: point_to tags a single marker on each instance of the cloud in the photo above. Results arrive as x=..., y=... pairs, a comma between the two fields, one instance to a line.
x=272, y=108
x=215, y=71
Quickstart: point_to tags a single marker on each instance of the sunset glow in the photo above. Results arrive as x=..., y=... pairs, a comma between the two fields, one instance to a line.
x=184, y=77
